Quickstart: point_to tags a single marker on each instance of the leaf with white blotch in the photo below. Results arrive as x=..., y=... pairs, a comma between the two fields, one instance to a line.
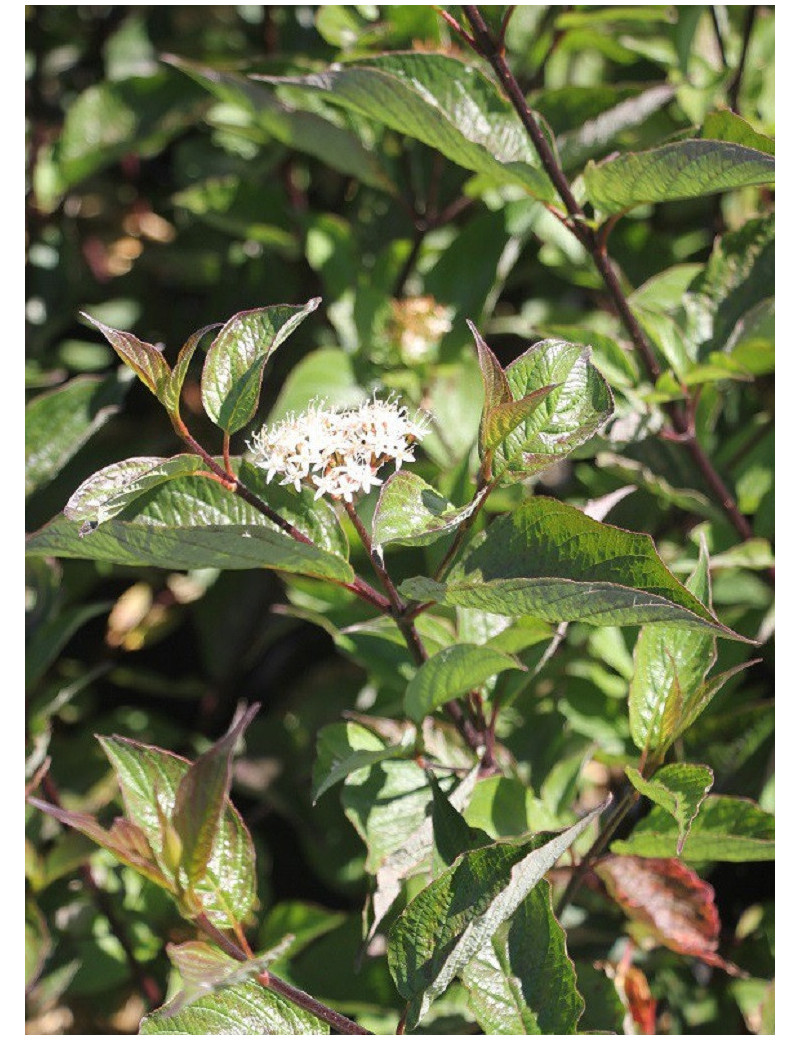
x=452, y=672
x=679, y=170
x=146, y=360
x=411, y=512
x=443, y=102
x=107, y=492
x=549, y=560
x=234, y=365
x=149, y=779
x=192, y=522
x=734, y=830
x=344, y=748
x=451, y=920
x=557, y=401
x=59, y=422
x=523, y=981
x=679, y=788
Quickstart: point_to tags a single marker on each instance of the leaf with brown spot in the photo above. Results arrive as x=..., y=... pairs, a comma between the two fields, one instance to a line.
x=674, y=905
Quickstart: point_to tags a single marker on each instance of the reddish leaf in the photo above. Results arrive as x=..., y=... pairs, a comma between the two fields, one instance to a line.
x=641, y=1005
x=675, y=907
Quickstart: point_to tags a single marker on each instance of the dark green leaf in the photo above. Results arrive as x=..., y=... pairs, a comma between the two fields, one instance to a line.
x=411, y=512
x=451, y=920
x=451, y=673
x=44, y=644
x=523, y=981
x=681, y=170
x=107, y=493
x=442, y=102
x=452, y=835
x=171, y=394
x=550, y=560
x=193, y=522
x=726, y=828
x=234, y=365
x=679, y=788
x=59, y=422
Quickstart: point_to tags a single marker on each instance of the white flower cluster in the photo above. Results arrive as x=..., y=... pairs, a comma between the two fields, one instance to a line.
x=338, y=453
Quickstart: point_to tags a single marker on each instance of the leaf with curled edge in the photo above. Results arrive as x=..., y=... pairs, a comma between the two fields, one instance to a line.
x=669, y=903
x=679, y=788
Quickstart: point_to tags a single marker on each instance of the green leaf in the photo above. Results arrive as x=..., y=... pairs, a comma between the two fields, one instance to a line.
x=192, y=522
x=734, y=830
x=244, y=1009
x=725, y=125
x=669, y=665
x=550, y=560
x=679, y=788
x=559, y=400
x=327, y=373
x=43, y=645
x=452, y=835
x=60, y=421
x=273, y=118
x=171, y=394
x=680, y=170
x=106, y=493
x=201, y=798
x=408, y=858
x=451, y=920
x=523, y=981
x=411, y=512
x=146, y=360
x=442, y=102
x=450, y=673
x=344, y=748
x=149, y=779
x=234, y=365
x=37, y=942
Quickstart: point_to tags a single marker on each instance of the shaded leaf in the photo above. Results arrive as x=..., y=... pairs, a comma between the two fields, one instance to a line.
x=523, y=981
x=304, y=131
x=234, y=365
x=411, y=512
x=669, y=901
x=442, y=102
x=59, y=422
x=344, y=748
x=549, y=560
x=726, y=828
x=680, y=170
x=450, y=673
x=449, y=922
x=48, y=639
x=452, y=835
x=679, y=788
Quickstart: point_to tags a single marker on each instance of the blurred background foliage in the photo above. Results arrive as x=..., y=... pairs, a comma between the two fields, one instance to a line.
x=161, y=197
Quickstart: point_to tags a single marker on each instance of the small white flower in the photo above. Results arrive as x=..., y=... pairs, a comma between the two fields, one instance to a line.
x=338, y=453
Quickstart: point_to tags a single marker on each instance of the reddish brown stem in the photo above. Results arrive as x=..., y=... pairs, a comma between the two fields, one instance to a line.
x=485, y=45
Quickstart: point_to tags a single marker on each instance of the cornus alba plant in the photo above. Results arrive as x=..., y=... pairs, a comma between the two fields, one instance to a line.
x=502, y=806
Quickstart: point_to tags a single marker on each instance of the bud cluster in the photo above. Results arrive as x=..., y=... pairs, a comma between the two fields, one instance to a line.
x=338, y=453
